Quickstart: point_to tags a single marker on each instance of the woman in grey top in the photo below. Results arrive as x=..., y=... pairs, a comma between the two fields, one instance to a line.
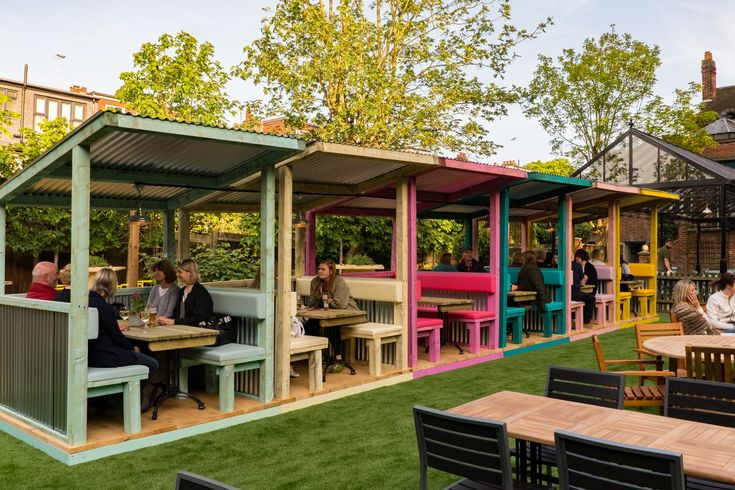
x=163, y=296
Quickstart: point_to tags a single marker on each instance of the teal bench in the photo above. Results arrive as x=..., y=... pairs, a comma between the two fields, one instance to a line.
x=554, y=280
x=123, y=379
x=226, y=360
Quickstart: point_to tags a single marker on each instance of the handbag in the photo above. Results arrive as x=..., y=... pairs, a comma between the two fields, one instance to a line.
x=224, y=325
x=297, y=327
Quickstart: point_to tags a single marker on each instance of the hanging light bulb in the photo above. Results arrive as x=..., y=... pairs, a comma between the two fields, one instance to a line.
x=139, y=216
x=300, y=221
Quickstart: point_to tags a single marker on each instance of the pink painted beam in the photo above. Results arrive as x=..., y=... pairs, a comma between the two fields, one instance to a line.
x=412, y=230
x=494, y=239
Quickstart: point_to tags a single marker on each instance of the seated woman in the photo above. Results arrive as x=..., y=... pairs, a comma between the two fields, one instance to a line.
x=579, y=279
x=688, y=310
x=111, y=348
x=64, y=278
x=330, y=287
x=193, y=303
x=721, y=305
x=164, y=295
x=530, y=279
x=445, y=264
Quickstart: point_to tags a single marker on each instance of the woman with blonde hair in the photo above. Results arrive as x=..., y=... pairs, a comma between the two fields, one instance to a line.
x=64, y=278
x=194, y=304
x=688, y=310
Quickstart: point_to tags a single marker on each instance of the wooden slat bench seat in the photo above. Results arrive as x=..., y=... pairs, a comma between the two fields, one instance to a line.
x=125, y=380
x=310, y=347
x=430, y=328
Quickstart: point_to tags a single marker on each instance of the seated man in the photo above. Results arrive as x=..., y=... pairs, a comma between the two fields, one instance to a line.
x=580, y=279
x=45, y=275
x=469, y=263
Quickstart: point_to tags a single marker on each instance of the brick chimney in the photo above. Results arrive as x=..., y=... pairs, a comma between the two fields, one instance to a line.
x=82, y=90
x=709, y=77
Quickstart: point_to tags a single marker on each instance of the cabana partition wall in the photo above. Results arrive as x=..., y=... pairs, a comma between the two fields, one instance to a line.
x=43, y=345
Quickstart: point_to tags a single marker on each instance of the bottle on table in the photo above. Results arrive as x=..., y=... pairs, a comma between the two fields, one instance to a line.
x=325, y=301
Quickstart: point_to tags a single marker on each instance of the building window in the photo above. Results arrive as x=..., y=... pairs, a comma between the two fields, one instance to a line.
x=48, y=108
x=12, y=103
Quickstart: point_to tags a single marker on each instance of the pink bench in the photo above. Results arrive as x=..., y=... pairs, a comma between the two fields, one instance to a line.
x=429, y=328
x=604, y=301
x=477, y=286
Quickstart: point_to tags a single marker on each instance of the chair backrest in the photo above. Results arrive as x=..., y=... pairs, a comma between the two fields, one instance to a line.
x=191, y=481
x=469, y=447
x=701, y=401
x=672, y=316
x=587, y=462
x=599, y=355
x=585, y=386
x=645, y=331
x=711, y=363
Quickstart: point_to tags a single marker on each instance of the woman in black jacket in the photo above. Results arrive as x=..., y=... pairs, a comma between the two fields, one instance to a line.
x=530, y=279
x=194, y=304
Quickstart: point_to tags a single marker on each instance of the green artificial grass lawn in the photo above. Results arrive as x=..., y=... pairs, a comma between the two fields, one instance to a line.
x=363, y=441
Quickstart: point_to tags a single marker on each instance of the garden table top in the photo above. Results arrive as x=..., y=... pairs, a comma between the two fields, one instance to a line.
x=333, y=317
x=675, y=345
x=446, y=304
x=172, y=337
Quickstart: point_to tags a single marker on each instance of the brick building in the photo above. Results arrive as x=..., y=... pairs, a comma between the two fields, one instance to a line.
x=722, y=101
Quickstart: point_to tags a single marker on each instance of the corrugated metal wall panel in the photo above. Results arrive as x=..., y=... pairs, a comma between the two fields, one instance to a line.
x=33, y=364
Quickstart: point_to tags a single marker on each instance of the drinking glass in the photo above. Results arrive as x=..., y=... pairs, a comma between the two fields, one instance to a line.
x=144, y=317
x=152, y=316
x=124, y=313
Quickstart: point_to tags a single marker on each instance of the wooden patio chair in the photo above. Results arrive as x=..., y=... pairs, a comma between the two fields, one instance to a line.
x=642, y=395
x=192, y=481
x=587, y=462
x=469, y=447
x=645, y=331
x=711, y=363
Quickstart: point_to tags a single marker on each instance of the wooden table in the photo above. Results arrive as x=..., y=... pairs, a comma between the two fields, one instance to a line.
x=333, y=317
x=522, y=296
x=674, y=346
x=358, y=268
x=587, y=288
x=634, y=284
x=707, y=449
x=171, y=338
x=443, y=307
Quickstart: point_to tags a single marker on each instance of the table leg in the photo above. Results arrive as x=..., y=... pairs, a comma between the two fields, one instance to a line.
x=330, y=359
x=170, y=389
x=445, y=340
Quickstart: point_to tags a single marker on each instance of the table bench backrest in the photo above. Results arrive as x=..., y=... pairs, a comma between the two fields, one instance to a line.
x=94, y=324
x=553, y=278
x=458, y=281
x=644, y=273
x=605, y=277
x=361, y=288
x=240, y=303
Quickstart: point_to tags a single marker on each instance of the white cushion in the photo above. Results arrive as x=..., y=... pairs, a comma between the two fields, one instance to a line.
x=366, y=288
x=370, y=329
x=95, y=374
x=308, y=343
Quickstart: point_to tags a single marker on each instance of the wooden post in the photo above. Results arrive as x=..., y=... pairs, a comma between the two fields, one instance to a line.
x=525, y=241
x=310, y=243
x=76, y=398
x=503, y=286
x=654, y=256
x=169, y=238
x=300, y=251
x=3, y=223
x=566, y=233
x=613, y=251
x=393, y=246
x=404, y=313
x=283, y=301
x=267, y=276
x=493, y=219
x=131, y=276
x=183, y=245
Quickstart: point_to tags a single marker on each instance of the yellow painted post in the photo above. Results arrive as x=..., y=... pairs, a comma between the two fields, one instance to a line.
x=283, y=301
x=654, y=257
x=76, y=399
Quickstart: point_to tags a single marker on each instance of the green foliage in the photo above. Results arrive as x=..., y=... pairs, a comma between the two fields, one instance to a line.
x=360, y=259
x=36, y=143
x=585, y=99
x=97, y=261
x=369, y=236
x=398, y=75
x=8, y=158
x=224, y=263
x=178, y=78
x=558, y=166
x=438, y=236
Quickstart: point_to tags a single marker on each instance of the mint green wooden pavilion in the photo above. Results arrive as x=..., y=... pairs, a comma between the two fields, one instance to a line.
x=43, y=345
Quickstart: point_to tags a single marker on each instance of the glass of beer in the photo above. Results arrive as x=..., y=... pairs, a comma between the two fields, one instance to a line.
x=152, y=316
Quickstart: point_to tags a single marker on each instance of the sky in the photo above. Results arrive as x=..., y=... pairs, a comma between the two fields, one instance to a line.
x=98, y=42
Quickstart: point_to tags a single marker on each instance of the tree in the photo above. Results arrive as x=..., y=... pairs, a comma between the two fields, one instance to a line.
x=8, y=158
x=398, y=75
x=178, y=78
x=558, y=166
x=584, y=100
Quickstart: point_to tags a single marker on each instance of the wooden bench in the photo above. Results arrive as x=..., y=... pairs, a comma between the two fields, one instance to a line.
x=310, y=348
x=380, y=297
x=235, y=357
x=479, y=287
x=554, y=280
x=123, y=379
x=605, y=297
x=577, y=310
x=645, y=296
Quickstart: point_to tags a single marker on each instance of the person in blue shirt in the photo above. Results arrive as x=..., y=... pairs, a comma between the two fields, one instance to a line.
x=469, y=263
x=446, y=264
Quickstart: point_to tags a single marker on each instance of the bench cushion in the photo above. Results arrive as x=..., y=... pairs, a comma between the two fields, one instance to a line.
x=554, y=306
x=225, y=353
x=428, y=323
x=604, y=297
x=514, y=311
x=371, y=329
x=643, y=292
x=471, y=315
x=96, y=374
x=624, y=295
x=577, y=303
x=308, y=343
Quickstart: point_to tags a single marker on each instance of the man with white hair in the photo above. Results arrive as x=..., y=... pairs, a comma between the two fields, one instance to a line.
x=45, y=275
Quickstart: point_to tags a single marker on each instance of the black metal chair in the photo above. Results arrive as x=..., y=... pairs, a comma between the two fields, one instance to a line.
x=191, y=481
x=472, y=448
x=710, y=402
x=587, y=462
x=585, y=386
x=603, y=389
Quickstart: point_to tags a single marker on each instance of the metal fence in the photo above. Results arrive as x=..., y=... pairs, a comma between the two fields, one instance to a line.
x=665, y=286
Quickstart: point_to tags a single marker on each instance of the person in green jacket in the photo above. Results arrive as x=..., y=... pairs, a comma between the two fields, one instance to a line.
x=446, y=264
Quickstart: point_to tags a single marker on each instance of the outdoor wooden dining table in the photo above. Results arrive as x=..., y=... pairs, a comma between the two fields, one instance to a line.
x=522, y=296
x=443, y=307
x=171, y=339
x=330, y=318
x=707, y=449
x=674, y=346
x=587, y=288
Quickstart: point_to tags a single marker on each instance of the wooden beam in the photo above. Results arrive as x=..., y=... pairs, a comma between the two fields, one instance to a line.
x=267, y=326
x=310, y=243
x=283, y=301
x=183, y=245
x=169, y=236
x=76, y=398
x=95, y=202
x=131, y=273
x=3, y=232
